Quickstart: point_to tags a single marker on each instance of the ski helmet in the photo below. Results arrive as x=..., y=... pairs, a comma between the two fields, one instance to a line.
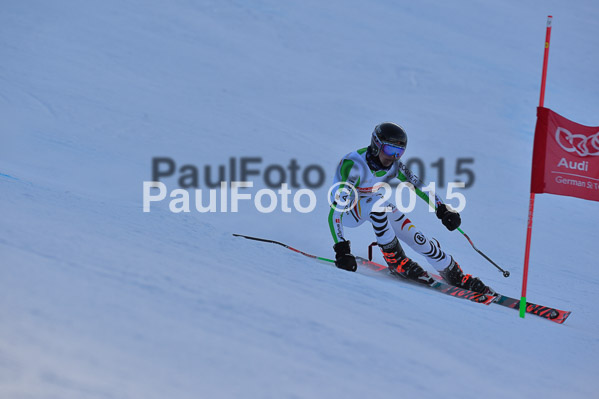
x=389, y=138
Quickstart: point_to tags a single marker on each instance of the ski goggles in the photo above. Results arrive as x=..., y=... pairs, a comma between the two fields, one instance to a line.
x=392, y=150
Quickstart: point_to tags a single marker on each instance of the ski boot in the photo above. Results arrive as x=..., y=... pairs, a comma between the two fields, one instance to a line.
x=402, y=266
x=454, y=275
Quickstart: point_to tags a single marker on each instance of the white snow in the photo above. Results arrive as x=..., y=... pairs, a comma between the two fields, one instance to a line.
x=101, y=300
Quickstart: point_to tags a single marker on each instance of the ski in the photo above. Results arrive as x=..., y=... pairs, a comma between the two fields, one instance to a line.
x=436, y=284
x=552, y=314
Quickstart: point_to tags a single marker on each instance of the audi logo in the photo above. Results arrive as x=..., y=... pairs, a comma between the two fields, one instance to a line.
x=578, y=143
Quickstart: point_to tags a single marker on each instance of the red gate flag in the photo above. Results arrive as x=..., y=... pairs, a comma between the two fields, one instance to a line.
x=565, y=157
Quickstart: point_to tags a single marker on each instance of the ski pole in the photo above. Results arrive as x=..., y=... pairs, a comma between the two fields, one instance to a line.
x=505, y=272
x=286, y=246
x=359, y=259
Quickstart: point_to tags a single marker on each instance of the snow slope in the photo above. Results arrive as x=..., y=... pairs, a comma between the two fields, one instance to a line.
x=99, y=299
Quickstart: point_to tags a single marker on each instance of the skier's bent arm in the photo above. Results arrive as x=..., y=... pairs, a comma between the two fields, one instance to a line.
x=348, y=174
x=347, y=178
x=450, y=219
x=335, y=224
x=405, y=175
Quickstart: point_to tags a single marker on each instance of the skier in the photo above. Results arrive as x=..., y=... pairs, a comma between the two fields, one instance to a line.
x=363, y=170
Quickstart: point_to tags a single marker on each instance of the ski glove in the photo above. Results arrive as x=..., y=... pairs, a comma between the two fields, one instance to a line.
x=450, y=219
x=343, y=257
